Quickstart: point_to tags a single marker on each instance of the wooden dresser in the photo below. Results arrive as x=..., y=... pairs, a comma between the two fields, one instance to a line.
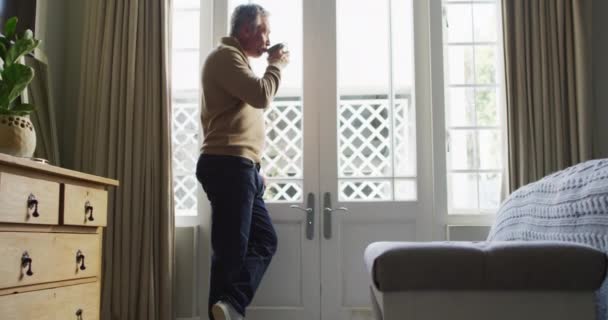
x=51, y=224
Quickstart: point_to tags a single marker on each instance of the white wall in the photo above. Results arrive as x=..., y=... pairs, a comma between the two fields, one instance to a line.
x=600, y=77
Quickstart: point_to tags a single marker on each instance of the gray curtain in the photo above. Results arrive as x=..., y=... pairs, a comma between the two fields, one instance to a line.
x=548, y=80
x=39, y=94
x=124, y=132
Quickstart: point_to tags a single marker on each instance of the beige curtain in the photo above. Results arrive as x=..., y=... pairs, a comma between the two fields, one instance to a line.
x=124, y=125
x=548, y=81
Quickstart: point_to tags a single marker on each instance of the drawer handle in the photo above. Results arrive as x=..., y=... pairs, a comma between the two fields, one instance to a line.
x=88, y=208
x=80, y=259
x=79, y=314
x=32, y=204
x=26, y=261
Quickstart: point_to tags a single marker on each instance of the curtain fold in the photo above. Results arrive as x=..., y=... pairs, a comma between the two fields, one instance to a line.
x=39, y=94
x=548, y=80
x=124, y=132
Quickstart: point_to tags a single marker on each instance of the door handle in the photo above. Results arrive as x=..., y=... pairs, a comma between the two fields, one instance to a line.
x=327, y=211
x=310, y=215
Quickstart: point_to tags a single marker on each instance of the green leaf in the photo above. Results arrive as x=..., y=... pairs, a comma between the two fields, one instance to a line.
x=26, y=107
x=20, y=48
x=10, y=26
x=15, y=79
x=8, y=112
x=2, y=50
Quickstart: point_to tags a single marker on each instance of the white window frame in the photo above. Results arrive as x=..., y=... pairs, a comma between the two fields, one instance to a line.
x=440, y=134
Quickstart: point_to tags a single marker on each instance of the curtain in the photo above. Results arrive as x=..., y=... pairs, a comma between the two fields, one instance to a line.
x=124, y=132
x=548, y=86
x=39, y=94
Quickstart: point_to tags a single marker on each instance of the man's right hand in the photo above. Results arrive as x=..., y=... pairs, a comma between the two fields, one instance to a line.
x=278, y=58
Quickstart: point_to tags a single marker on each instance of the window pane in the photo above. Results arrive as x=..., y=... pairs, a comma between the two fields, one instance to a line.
x=489, y=191
x=489, y=149
x=459, y=22
x=461, y=109
x=484, y=15
x=184, y=188
x=405, y=136
x=186, y=4
x=365, y=190
x=473, y=105
x=185, y=70
x=186, y=29
x=463, y=193
x=185, y=120
x=358, y=20
x=283, y=191
x=405, y=190
x=485, y=64
x=283, y=154
x=462, y=149
x=485, y=103
x=376, y=129
x=460, y=65
x=364, y=143
x=402, y=40
x=404, y=112
x=286, y=27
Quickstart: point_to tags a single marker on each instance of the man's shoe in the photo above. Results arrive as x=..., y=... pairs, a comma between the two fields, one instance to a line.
x=224, y=311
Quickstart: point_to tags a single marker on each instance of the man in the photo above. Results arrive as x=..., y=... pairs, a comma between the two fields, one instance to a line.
x=243, y=238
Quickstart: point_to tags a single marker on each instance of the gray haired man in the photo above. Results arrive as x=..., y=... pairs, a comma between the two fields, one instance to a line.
x=242, y=235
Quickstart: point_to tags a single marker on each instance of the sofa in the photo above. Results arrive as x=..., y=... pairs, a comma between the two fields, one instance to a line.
x=544, y=258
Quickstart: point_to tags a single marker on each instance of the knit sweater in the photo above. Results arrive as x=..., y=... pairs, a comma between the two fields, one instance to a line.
x=234, y=99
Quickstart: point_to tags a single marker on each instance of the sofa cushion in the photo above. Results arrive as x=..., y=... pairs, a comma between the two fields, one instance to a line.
x=508, y=265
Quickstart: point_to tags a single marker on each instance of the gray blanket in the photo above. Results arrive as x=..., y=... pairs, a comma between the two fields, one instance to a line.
x=569, y=205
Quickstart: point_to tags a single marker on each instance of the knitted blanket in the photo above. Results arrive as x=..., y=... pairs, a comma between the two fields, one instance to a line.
x=569, y=205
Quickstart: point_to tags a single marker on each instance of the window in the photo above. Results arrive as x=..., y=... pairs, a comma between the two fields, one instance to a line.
x=185, y=104
x=377, y=151
x=472, y=51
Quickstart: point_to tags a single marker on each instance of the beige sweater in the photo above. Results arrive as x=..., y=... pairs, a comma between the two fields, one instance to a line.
x=234, y=102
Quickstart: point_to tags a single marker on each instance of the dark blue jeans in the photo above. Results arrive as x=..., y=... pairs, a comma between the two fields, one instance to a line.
x=242, y=236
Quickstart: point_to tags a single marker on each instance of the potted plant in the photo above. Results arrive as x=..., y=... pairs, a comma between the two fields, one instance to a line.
x=17, y=135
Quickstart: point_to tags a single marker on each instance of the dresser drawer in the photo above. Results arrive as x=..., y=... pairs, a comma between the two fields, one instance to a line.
x=54, y=257
x=28, y=200
x=84, y=206
x=79, y=302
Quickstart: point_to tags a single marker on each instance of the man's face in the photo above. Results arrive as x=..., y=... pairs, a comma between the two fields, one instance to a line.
x=256, y=41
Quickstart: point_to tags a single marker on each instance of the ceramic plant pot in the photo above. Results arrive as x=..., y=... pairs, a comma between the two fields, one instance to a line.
x=17, y=136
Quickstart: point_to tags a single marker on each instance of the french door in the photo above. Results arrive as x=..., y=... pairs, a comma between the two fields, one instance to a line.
x=348, y=155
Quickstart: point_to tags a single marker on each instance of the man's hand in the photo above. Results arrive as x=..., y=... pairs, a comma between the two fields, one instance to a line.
x=278, y=57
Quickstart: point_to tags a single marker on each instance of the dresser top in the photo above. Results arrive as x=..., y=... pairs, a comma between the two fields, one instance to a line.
x=53, y=170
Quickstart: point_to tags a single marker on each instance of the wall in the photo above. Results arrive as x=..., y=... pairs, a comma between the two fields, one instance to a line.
x=600, y=77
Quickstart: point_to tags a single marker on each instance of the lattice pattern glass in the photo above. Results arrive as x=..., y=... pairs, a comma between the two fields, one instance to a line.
x=283, y=155
x=376, y=148
x=185, y=139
